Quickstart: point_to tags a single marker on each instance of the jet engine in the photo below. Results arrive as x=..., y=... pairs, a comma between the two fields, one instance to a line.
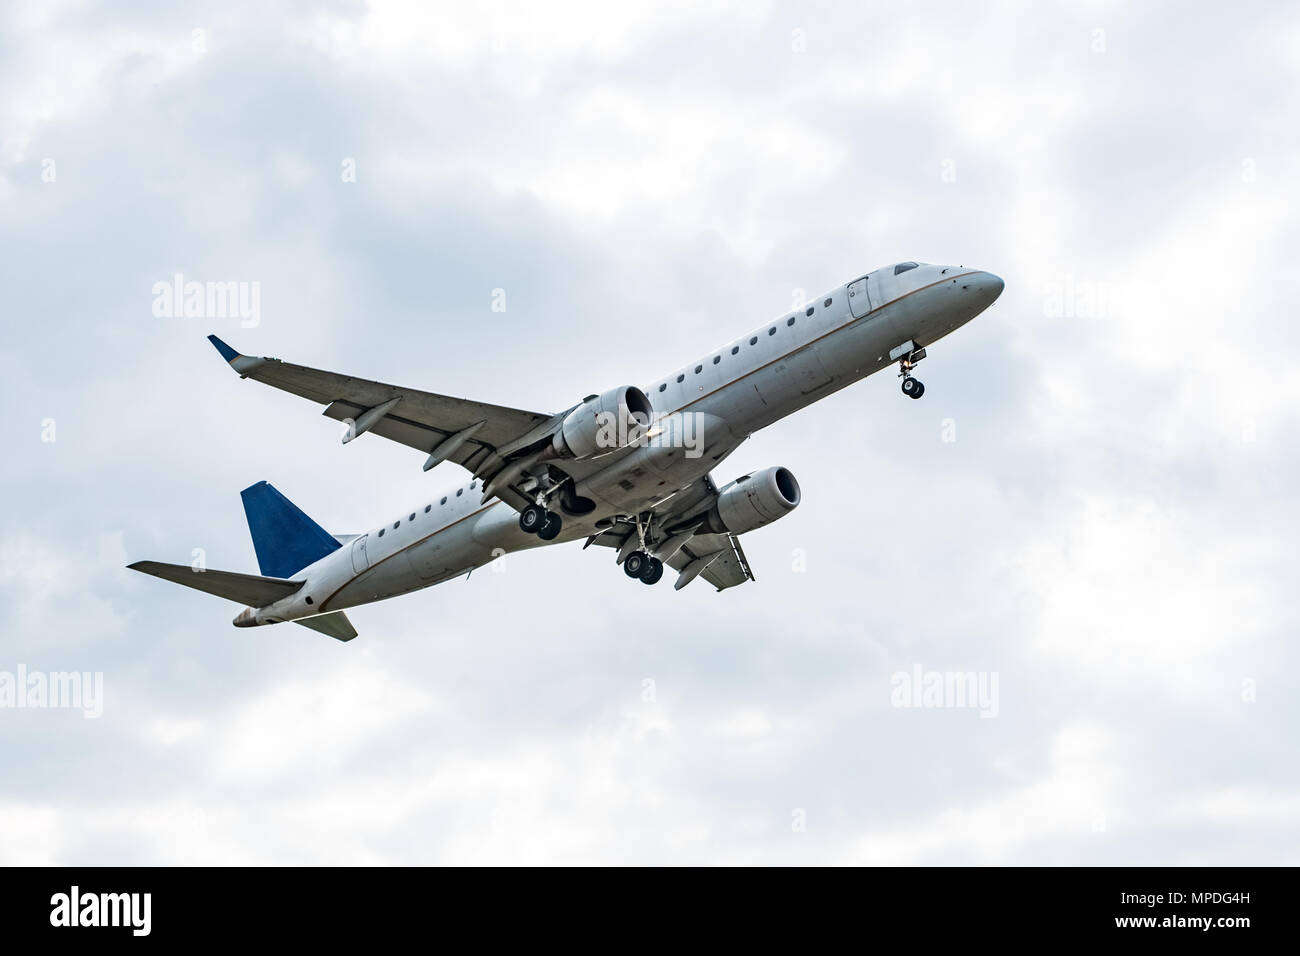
x=604, y=423
x=753, y=501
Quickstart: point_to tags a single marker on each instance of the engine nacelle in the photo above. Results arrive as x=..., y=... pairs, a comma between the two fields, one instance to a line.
x=753, y=501
x=604, y=423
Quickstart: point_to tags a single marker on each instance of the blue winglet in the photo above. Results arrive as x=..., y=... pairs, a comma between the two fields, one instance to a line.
x=226, y=351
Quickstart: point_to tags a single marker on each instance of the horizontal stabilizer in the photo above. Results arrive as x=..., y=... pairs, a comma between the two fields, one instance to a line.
x=247, y=589
x=335, y=624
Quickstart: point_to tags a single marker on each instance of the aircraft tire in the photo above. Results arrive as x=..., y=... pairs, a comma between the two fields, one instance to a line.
x=635, y=564
x=551, y=527
x=654, y=570
x=532, y=519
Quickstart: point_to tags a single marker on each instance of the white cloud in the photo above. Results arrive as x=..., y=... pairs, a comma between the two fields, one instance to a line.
x=1107, y=533
x=1071, y=801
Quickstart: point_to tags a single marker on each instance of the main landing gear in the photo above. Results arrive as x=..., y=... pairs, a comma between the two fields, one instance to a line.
x=537, y=520
x=640, y=565
x=913, y=387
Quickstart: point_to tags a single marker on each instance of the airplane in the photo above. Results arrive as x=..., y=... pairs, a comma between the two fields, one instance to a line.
x=628, y=469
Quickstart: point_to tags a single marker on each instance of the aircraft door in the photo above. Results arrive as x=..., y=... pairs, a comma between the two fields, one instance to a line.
x=359, y=560
x=860, y=297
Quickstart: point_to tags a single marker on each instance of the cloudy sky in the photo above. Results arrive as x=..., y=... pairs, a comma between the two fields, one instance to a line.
x=1093, y=504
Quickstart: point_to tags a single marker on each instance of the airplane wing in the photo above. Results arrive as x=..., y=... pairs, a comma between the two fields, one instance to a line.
x=476, y=435
x=718, y=558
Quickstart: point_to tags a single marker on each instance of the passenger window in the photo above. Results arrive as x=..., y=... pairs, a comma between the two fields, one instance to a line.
x=443, y=501
x=717, y=359
x=459, y=492
x=754, y=340
x=663, y=386
x=381, y=532
x=428, y=508
x=827, y=304
x=790, y=321
x=772, y=330
x=412, y=516
x=396, y=525
x=809, y=312
x=681, y=377
x=735, y=349
x=698, y=369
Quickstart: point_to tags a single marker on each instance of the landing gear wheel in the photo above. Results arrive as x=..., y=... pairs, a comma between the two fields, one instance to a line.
x=531, y=519
x=635, y=564
x=654, y=570
x=551, y=527
x=920, y=390
x=912, y=388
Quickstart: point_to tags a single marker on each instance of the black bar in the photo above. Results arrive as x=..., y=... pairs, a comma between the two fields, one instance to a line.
x=974, y=905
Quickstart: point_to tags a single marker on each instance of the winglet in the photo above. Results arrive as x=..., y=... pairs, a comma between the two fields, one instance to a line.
x=243, y=364
x=226, y=351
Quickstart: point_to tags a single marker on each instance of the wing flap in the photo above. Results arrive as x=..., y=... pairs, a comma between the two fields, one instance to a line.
x=726, y=570
x=414, y=434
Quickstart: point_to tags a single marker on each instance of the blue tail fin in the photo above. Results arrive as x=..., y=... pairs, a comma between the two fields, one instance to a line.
x=285, y=539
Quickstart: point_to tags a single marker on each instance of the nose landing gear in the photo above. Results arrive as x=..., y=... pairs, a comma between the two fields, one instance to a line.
x=912, y=387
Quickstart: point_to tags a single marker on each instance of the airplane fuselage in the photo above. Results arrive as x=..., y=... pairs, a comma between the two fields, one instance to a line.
x=799, y=358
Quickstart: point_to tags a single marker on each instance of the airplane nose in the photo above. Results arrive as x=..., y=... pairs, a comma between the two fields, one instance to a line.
x=991, y=285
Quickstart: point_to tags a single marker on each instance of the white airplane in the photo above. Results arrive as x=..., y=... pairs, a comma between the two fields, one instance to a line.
x=627, y=469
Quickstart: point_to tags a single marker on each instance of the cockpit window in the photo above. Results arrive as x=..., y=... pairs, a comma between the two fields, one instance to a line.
x=904, y=266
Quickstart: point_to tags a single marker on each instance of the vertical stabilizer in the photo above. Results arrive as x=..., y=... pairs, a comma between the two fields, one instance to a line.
x=285, y=539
